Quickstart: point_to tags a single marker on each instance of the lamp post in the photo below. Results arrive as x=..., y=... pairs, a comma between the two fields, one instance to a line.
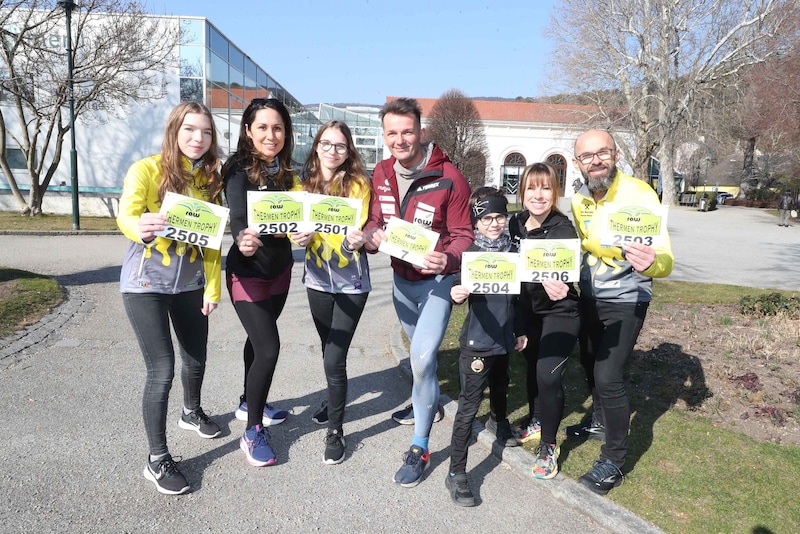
x=68, y=6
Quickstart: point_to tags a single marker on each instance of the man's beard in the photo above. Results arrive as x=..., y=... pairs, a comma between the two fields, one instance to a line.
x=596, y=185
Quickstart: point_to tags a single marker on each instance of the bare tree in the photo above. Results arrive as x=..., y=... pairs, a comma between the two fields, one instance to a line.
x=665, y=56
x=770, y=118
x=120, y=57
x=455, y=125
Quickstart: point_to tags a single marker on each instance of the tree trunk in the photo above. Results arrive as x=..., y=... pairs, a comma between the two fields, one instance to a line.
x=746, y=183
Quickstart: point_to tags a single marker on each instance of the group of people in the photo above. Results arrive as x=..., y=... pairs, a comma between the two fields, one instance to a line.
x=167, y=281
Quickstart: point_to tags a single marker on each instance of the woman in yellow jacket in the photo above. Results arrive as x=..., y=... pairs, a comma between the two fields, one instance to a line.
x=336, y=273
x=164, y=280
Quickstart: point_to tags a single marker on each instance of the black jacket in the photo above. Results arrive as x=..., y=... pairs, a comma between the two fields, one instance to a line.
x=489, y=328
x=533, y=298
x=275, y=256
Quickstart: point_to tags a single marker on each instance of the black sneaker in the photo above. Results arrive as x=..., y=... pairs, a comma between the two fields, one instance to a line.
x=165, y=475
x=321, y=416
x=588, y=428
x=406, y=415
x=458, y=486
x=603, y=477
x=502, y=430
x=200, y=423
x=334, y=447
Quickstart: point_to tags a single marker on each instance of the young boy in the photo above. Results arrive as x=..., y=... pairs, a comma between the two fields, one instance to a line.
x=487, y=338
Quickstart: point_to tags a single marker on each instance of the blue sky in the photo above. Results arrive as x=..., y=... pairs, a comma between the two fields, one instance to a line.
x=364, y=50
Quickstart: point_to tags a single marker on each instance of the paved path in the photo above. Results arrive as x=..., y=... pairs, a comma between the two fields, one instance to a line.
x=734, y=245
x=74, y=449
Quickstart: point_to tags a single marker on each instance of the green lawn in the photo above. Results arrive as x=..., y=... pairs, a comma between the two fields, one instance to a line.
x=684, y=474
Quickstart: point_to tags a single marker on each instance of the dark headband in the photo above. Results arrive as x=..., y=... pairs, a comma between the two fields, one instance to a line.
x=487, y=205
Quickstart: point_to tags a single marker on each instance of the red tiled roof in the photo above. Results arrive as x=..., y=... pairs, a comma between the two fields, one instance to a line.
x=492, y=110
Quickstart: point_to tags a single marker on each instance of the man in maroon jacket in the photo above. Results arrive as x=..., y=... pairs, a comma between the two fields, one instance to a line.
x=419, y=184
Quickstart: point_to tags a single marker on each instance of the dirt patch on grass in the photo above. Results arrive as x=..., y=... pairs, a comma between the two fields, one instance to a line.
x=7, y=289
x=740, y=371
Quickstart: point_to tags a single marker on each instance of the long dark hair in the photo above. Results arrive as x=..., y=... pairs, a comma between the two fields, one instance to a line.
x=349, y=173
x=253, y=161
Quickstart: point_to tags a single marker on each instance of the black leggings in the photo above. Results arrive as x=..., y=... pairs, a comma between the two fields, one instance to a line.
x=608, y=336
x=551, y=339
x=336, y=317
x=150, y=315
x=260, y=350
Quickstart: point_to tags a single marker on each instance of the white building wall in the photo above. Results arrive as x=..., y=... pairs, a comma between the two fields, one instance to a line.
x=106, y=144
x=536, y=142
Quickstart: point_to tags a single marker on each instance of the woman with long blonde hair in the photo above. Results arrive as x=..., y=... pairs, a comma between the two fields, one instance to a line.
x=165, y=281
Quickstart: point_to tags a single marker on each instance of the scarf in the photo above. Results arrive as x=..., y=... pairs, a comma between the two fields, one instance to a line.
x=502, y=244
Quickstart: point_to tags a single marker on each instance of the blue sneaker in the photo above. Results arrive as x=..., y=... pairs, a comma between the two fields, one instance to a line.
x=272, y=416
x=415, y=461
x=256, y=448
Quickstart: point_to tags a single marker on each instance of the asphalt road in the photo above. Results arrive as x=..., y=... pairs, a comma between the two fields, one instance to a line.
x=74, y=448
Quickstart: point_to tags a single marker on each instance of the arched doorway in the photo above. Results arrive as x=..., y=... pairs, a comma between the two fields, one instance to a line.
x=512, y=169
x=559, y=163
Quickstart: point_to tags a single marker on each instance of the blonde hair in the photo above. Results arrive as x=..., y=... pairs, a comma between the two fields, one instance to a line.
x=174, y=176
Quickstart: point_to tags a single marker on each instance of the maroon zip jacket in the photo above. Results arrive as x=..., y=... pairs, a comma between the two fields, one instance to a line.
x=438, y=200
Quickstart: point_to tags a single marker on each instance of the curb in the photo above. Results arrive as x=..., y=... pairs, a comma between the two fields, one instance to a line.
x=606, y=513
x=60, y=232
x=13, y=348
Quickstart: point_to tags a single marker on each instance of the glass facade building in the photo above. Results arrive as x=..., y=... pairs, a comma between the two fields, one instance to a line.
x=365, y=126
x=216, y=72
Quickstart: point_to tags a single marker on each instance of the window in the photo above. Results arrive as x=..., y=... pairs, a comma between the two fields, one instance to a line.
x=366, y=141
x=559, y=163
x=219, y=44
x=219, y=71
x=512, y=169
x=191, y=31
x=16, y=158
x=250, y=69
x=191, y=90
x=192, y=61
x=237, y=58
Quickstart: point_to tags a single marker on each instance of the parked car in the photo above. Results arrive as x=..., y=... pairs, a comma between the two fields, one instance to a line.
x=722, y=197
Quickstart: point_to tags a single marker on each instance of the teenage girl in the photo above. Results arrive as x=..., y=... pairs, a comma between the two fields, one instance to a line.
x=336, y=271
x=165, y=281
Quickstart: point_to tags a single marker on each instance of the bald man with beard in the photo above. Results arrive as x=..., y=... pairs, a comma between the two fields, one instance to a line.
x=616, y=289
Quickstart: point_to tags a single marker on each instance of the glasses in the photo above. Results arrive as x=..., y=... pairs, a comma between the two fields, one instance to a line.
x=338, y=147
x=486, y=220
x=588, y=157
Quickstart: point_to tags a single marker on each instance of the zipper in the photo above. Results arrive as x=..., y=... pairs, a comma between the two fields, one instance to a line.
x=329, y=255
x=180, y=268
x=141, y=262
x=357, y=259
